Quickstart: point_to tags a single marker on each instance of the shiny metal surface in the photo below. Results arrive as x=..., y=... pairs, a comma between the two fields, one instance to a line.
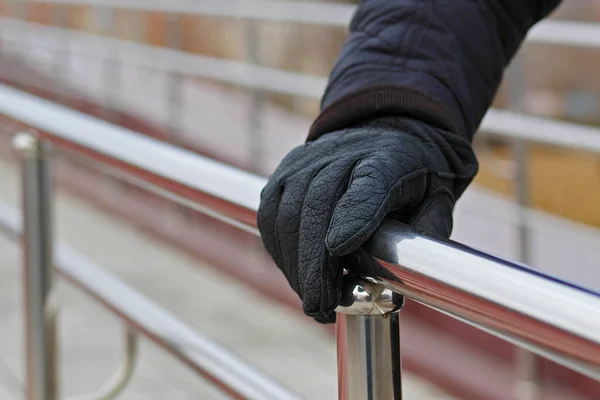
x=42, y=366
x=234, y=192
x=368, y=343
x=367, y=298
x=180, y=171
x=502, y=296
x=527, y=383
x=505, y=298
x=513, y=303
x=222, y=368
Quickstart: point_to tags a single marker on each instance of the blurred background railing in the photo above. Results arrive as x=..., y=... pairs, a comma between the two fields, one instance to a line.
x=181, y=71
x=555, y=319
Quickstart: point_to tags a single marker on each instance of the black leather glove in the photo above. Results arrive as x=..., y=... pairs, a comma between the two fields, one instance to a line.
x=328, y=196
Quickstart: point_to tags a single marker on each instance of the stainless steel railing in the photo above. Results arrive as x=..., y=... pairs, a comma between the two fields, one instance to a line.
x=554, y=319
x=503, y=123
x=520, y=129
x=141, y=316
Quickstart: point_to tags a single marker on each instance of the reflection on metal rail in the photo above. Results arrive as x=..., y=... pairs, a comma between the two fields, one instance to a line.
x=552, y=318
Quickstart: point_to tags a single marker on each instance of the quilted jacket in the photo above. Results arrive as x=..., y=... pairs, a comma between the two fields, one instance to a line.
x=440, y=61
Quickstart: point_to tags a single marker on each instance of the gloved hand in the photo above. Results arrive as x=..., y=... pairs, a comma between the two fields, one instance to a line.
x=328, y=196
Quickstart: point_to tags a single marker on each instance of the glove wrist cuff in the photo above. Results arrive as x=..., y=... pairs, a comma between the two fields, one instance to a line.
x=381, y=101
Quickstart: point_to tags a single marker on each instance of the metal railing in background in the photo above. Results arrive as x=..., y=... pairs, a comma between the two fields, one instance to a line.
x=556, y=32
x=501, y=123
x=507, y=124
x=141, y=316
x=554, y=319
x=512, y=125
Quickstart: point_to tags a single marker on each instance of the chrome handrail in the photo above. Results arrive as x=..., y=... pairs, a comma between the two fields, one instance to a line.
x=552, y=318
x=227, y=371
x=516, y=127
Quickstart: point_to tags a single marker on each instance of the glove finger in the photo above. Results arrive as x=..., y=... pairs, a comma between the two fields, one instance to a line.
x=319, y=274
x=307, y=155
x=435, y=216
x=267, y=217
x=276, y=197
x=287, y=225
x=375, y=189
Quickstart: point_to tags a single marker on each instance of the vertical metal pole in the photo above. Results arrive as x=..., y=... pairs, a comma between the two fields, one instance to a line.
x=175, y=99
x=40, y=305
x=368, y=344
x=19, y=11
x=520, y=149
x=175, y=89
x=256, y=106
x=112, y=74
x=175, y=95
x=257, y=100
x=62, y=62
x=527, y=385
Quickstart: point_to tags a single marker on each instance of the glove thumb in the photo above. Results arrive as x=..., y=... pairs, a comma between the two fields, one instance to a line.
x=435, y=215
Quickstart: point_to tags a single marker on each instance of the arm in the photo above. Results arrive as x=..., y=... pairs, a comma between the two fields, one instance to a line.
x=393, y=140
x=440, y=61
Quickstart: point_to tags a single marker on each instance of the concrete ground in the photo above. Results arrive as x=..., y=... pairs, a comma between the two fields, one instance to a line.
x=294, y=350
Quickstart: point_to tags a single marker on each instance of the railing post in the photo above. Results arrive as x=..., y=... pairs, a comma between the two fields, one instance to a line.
x=527, y=386
x=63, y=59
x=42, y=381
x=175, y=98
x=526, y=363
x=368, y=344
x=111, y=79
x=257, y=99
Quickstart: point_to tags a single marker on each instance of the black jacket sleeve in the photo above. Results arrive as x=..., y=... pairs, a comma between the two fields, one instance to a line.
x=440, y=61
